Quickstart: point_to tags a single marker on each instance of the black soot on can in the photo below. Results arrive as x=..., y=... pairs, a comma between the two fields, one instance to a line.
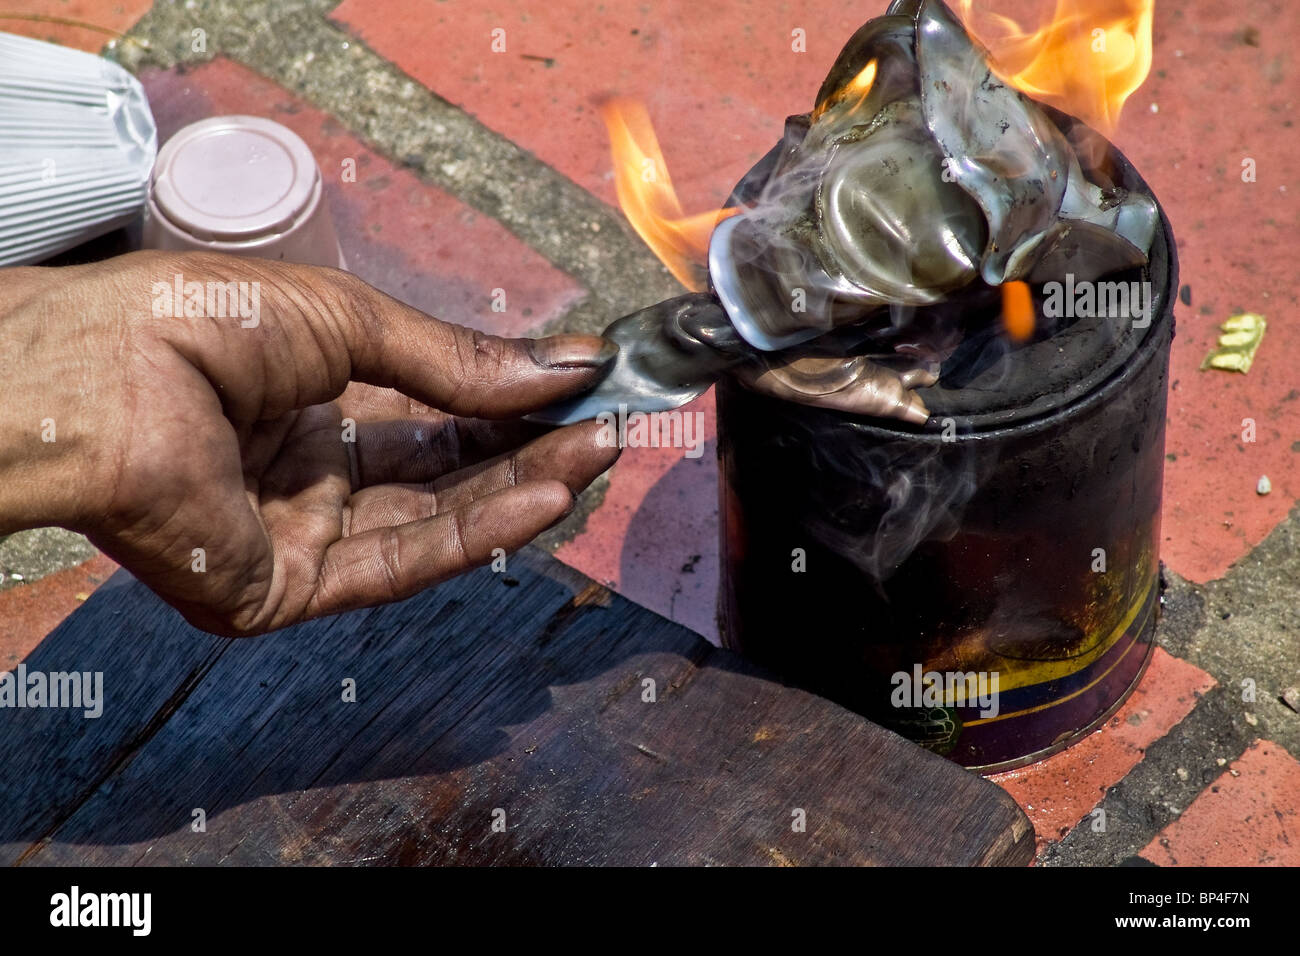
x=986, y=585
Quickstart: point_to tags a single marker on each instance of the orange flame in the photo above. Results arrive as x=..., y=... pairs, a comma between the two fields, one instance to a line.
x=858, y=87
x=1087, y=60
x=646, y=194
x=1017, y=311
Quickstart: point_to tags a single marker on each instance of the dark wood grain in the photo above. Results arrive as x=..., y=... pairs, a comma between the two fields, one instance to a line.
x=480, y=695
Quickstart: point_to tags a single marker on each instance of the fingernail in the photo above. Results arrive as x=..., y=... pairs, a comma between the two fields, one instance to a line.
x=916, y=412
x=573, y=351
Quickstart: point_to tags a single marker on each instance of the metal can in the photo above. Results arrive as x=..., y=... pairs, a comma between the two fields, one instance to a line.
x=1015, y=615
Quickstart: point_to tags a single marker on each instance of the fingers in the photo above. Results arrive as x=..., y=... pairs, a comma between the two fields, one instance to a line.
x=415, y=449
x=387, y=564
x=851, y=384
x=369, y=403
x=299, y=334
x=571, y=455
x=461, y=370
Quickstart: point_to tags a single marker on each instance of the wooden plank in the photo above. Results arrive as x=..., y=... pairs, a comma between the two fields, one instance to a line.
x=521, y=698
x=53, y=759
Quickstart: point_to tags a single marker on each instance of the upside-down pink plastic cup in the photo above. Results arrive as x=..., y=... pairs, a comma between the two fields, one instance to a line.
x=242, y=185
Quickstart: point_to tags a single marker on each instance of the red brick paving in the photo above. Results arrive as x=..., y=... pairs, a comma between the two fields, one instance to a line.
x=1247, y=817
x=29, y=612
x=1220, y=101
x=655, y=536
x=718, y=78
x=112, y=19
x=410, y=239
x=1060, y=791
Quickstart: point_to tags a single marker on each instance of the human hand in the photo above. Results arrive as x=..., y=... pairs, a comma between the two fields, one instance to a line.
x=210, y=455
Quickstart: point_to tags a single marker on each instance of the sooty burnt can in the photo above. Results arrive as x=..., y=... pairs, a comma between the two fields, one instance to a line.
x=987, y=584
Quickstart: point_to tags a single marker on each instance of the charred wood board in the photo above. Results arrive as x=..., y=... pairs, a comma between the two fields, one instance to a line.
x=532, y=717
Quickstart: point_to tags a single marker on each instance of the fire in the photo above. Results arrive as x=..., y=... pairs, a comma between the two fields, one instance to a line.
x=858, y=87
x=1087, y=60
x=646, y=194
x=1017, y=311
x=645, y=190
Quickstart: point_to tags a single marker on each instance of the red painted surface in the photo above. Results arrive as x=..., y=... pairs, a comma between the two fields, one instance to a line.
x=1062, y=790
x=1247, y=817
x=29, y=612
x=655, y=536
x=93, y=24
x=1222, y=100
x=718, y=78
x=410, y=239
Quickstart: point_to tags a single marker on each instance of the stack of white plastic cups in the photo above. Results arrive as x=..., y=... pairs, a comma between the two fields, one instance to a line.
x=77, y=143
